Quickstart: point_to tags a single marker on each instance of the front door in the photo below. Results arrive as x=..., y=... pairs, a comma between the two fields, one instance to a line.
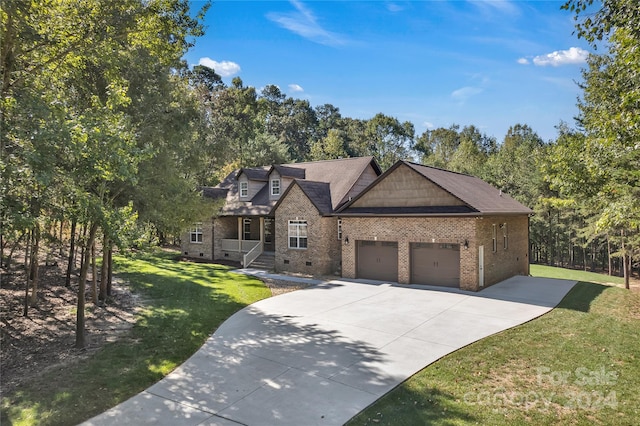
x=269, y=234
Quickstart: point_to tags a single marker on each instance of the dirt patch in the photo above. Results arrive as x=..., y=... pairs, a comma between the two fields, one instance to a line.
x=46, y=337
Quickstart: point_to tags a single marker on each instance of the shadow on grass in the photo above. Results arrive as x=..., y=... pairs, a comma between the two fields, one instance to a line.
x=182, y=305
x=581, y=296
x=406, y=407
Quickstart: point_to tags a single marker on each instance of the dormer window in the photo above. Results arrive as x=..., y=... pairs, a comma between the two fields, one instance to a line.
x=244, y=189
x=275, y=186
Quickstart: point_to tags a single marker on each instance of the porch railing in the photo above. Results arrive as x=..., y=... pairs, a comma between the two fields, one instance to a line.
x=252, y=254
x=232, y=245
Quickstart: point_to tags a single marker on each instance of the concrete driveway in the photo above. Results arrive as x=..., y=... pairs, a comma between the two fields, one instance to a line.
x=321, y=355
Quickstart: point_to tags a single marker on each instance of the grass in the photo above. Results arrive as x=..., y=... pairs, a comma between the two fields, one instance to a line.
x=184, y=304
x=574, y=275
x=578, y=364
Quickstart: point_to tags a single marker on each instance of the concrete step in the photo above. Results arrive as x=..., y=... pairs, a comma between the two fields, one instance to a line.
x=266, y=261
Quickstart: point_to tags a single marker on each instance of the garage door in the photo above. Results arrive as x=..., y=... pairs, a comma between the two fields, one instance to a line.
x=435, y=264
x=377, y=260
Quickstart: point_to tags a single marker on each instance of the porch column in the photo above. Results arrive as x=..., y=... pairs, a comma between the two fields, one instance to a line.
x=262, y=232
x=240, y=235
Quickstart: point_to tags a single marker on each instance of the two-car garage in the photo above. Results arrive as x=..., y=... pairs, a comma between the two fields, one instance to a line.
x=430, y=263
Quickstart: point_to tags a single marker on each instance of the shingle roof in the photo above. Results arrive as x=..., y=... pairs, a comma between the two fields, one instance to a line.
x=341, y=174
x=326, y=183
x=319, y=193
x=473, y=191
x=479, y=197
x=255, y=173
x=286, y=171
x=214, y=192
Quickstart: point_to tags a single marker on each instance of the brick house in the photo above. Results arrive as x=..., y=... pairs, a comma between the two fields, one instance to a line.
x=412, y=224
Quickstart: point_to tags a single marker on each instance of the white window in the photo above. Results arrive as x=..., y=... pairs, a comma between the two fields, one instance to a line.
x=195, y=233
x=244, y=189
x=505, y=236
x=275, y=187
x=495, y=238
x=298, y=234
x=339, y=229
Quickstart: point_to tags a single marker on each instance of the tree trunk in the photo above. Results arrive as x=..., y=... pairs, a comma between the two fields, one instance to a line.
x=61, y=251
x=27, y=272
x=84, y=246
x=80, y=337
x=110, y=273
x=35, y=249
x=72, y=248
x=609, y=256
x=105, y=266
x=626, y=262
x=94, y=275
x=27, y=251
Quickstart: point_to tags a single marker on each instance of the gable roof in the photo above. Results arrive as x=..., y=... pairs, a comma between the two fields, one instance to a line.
x=477, y=196
x=327, y=183
x=287, y=171
x=341, y=174
x=319, y=193
x=255, y=173
x=473, y=191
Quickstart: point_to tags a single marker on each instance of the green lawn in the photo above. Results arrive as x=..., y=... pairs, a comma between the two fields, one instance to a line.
x=184, y=304
x=572, y=274
x=578, y=364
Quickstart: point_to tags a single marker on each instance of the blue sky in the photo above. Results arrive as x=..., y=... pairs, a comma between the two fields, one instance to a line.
x=491, y=63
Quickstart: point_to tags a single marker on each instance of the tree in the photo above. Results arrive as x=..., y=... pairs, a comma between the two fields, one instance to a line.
x=610, y=117
x=438, y=145
x=389, y=140
x=472, y=153
x=78, y=109
x=333, y=146
x=514, y=169
x=329, y=118
x=232, y=123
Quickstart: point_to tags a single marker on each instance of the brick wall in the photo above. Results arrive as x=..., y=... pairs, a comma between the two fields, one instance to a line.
x=406, y=231
x=202, y=250
x=504, y=263
x=475, y=231
x=322, y=255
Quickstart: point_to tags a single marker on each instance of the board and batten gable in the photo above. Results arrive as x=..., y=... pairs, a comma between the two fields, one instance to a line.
x=403, y=187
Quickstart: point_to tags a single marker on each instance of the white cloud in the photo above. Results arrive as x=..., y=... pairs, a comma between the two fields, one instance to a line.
x=465, y=93
x=224, y=68
x=573, y=55
x=501, y=6
x=394, y=7
x=304, y=23
x=296, y=88
x=428, y=125
x=523, y=61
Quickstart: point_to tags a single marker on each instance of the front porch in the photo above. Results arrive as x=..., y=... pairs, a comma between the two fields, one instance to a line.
x=244, y=238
